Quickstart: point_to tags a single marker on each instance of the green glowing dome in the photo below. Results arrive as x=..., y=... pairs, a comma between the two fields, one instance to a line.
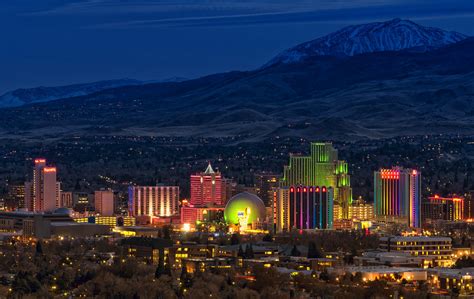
x=244, y=205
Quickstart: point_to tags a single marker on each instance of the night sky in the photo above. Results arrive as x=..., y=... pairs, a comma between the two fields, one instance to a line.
x=62, y=42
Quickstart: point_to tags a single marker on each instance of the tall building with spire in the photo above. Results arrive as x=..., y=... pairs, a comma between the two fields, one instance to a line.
x=42, y=194
x=206, y=188
x=321, y=168
x=207, y=199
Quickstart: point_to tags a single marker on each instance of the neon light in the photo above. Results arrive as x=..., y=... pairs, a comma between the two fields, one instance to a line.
x=49, y=169
x=40, y=161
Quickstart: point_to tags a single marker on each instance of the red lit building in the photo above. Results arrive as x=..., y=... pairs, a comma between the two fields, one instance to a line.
x=206, y=188
x=193, y=214
x=207, y=197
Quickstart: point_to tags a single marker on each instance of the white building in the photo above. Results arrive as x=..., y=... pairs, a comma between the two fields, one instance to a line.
x=160, y=201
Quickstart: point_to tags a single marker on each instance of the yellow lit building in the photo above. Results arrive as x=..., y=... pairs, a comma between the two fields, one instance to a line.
x=361, y=210
x=436, y=251
x=182, y=251
x=112, y=221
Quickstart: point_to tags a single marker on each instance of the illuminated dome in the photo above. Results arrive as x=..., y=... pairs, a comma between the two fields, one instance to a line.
x=244, y=205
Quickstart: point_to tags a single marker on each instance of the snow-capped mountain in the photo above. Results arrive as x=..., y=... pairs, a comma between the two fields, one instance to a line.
x=393, y=35
x=23, y=96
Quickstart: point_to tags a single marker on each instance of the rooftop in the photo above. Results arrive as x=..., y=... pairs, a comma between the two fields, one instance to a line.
x=415, y=239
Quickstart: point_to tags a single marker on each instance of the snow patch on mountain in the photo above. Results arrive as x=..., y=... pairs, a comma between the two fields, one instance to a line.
x=393, y=35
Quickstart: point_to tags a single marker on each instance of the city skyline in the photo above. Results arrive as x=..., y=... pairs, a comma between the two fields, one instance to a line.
x=236, y=149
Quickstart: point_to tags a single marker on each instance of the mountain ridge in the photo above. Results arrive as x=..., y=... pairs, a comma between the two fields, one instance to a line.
x=370, y=95
x=393, y=35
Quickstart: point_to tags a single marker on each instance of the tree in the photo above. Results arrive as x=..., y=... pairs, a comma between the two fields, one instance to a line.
x=313, y=251
x=240, y=253
x=267, y=238
x=234, y=239
x=324, y=275
x=185, y=278
x=161, y=266
x=39, y=248
x=295, y=251
x=25, y=283
x=249, y=251
x=167, y=270
x=166, y=232
x=465, y=262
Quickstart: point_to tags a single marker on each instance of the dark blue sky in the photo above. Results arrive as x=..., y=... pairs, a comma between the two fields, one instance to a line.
x=72, y=41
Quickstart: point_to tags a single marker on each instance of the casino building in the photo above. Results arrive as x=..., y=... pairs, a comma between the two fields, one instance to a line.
x=321, y=168
x=443, y=208
x=397, y=195
x=304, y=207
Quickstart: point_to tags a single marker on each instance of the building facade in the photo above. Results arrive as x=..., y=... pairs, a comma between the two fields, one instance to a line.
x=159, y=201
x=360, y=210
x=104, y=202
x=397, y=194
x=42, y=194
x=206, y=188
x=304, y=207
x=436, y=251
x=265, y=183
x=321, y=168
x=16, y=197
x=443, y=208
x=66, y=200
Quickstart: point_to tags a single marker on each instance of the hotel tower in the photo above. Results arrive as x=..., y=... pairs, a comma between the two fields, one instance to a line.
x=397, y=195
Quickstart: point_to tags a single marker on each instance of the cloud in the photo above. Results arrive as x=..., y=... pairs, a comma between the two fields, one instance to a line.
x=210, y=6
x=129, y=14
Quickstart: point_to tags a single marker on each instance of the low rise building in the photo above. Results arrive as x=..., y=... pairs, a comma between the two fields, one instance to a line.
x=371, y=273
x=460, y=281
x=435, y=251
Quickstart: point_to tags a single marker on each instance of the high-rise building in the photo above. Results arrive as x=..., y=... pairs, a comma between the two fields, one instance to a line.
x=206, y=188
x=229, y=189
x=104, y=202
x=304, y=207
x=265, y=183
x=16, y=197
x=443, y=208
x=469, y=206
x=397, y=194
x=159, y=201
x=42, y=194
x=321, y=168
